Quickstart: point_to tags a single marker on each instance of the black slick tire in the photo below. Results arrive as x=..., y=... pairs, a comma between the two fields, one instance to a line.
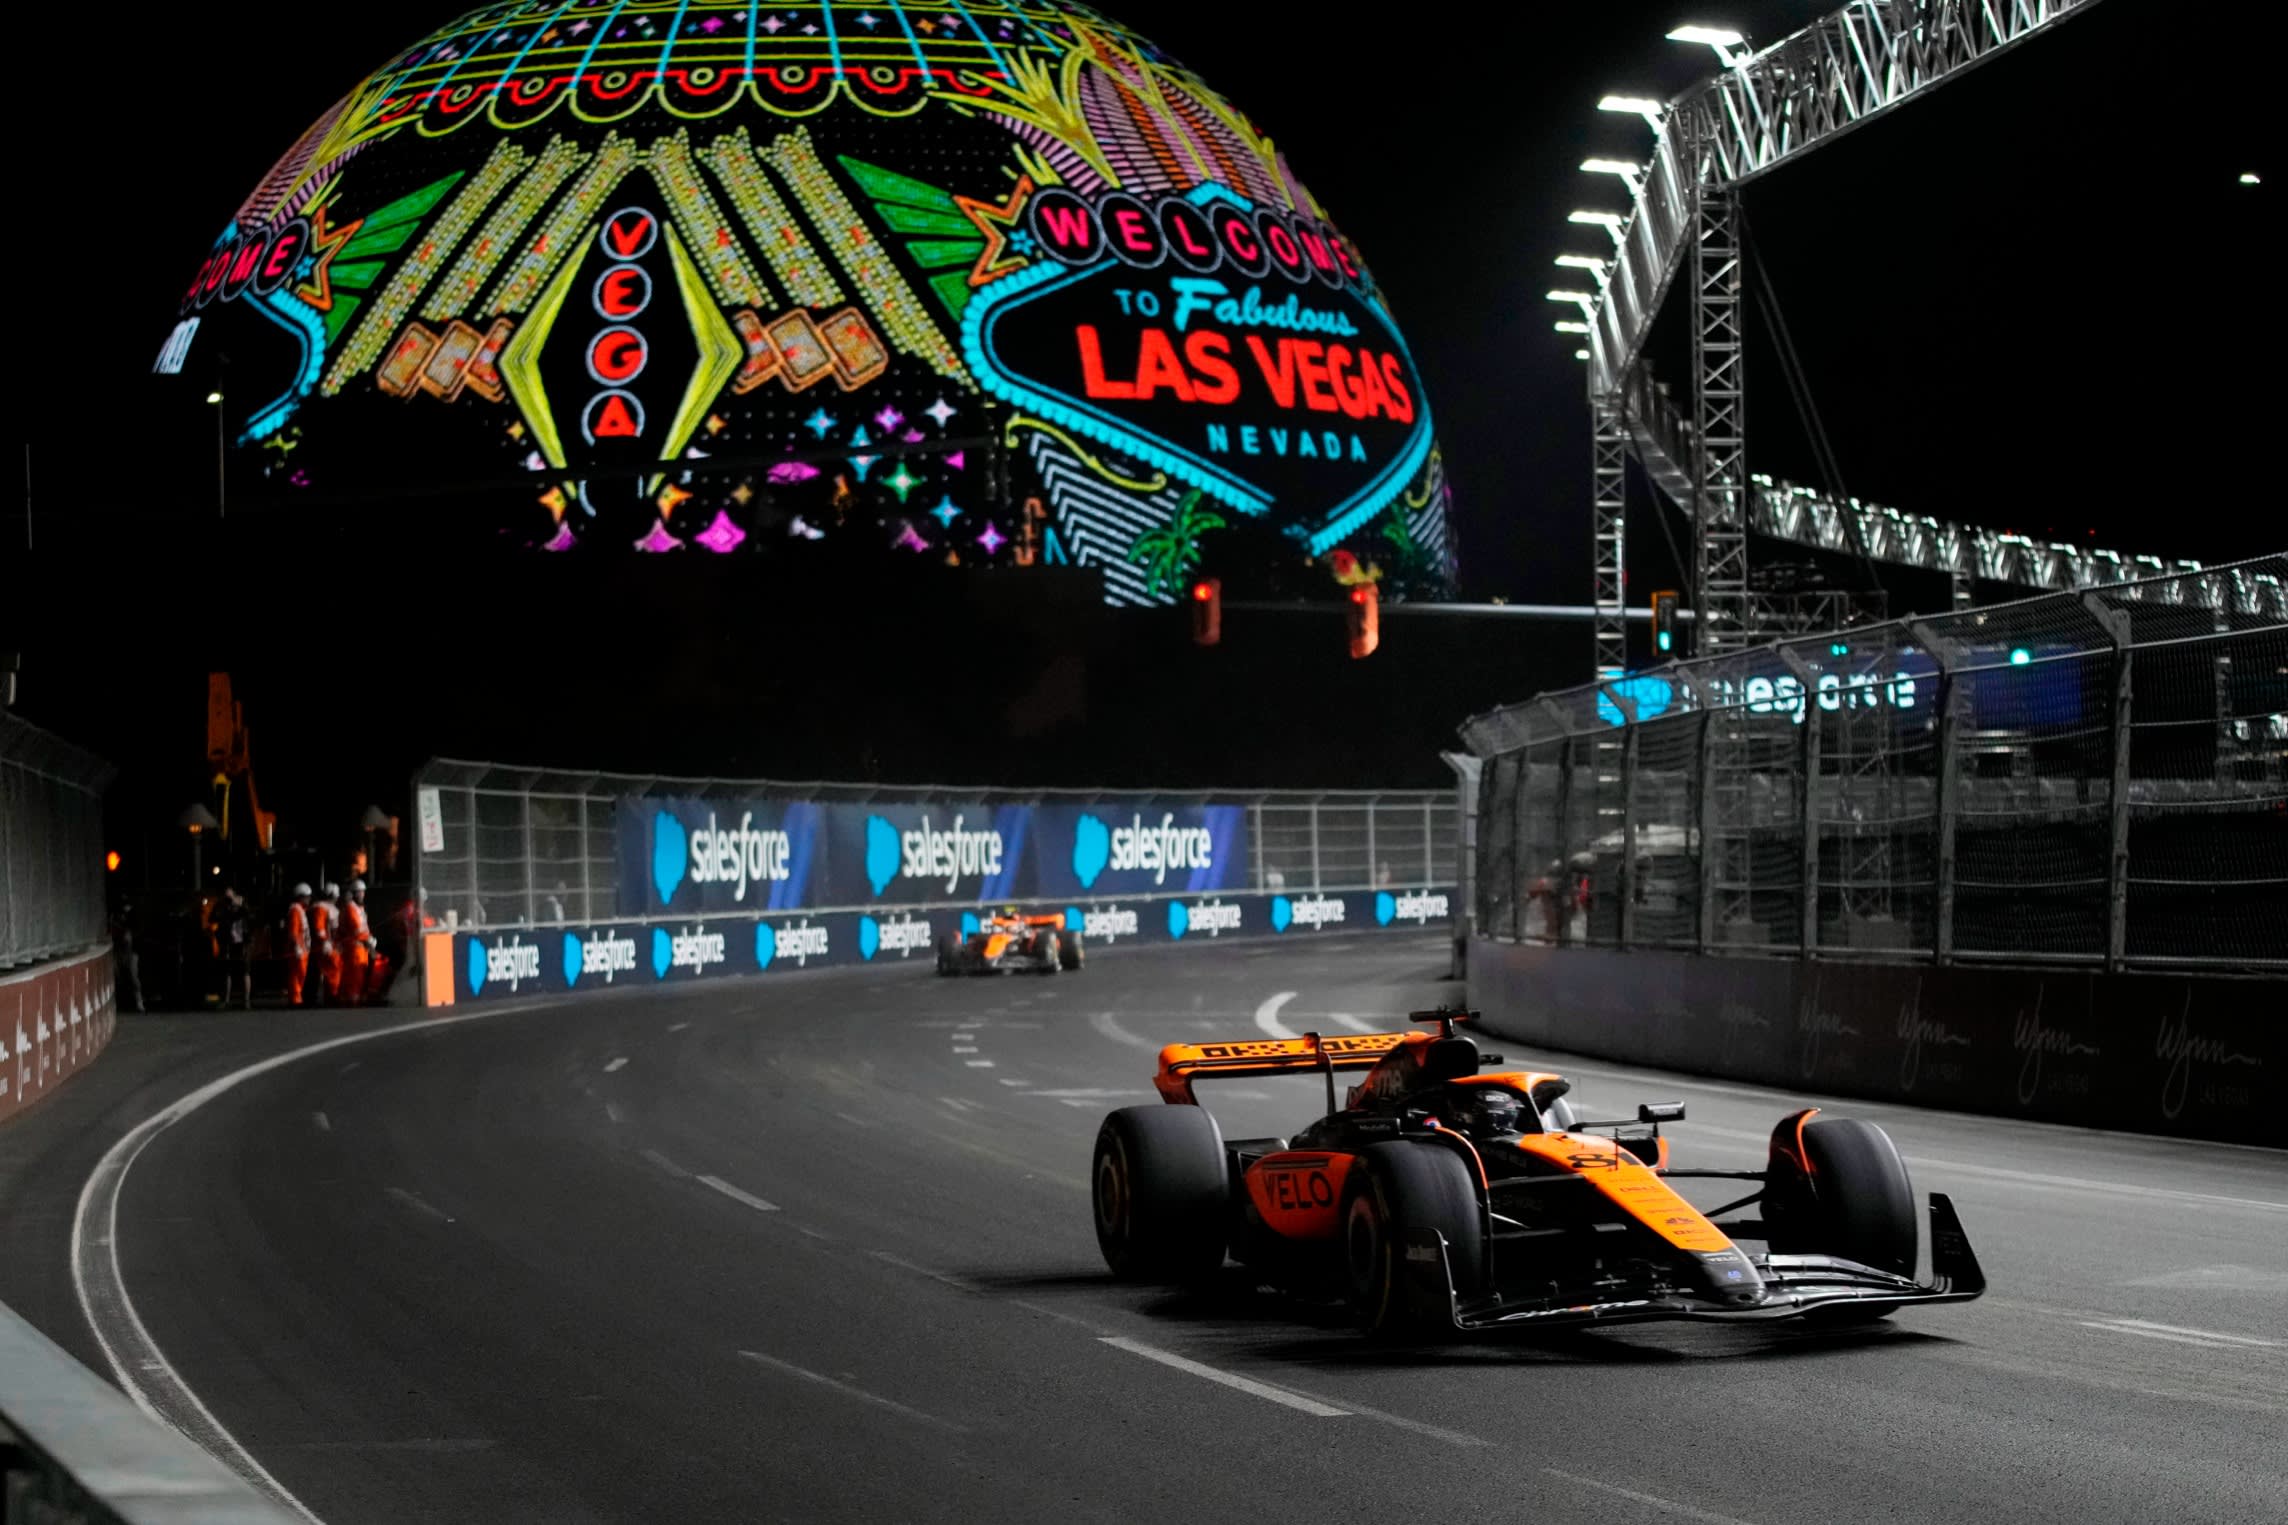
x=1051, y=954
x=1856, y=1203
x=1392, y=1189
x=1161, y=1193
x=1070, y=954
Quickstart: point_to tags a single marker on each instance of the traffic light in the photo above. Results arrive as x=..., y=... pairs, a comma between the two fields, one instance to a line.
x=111, y=861
x=1207, y=611
x=1365, y=618
x=1664, y=621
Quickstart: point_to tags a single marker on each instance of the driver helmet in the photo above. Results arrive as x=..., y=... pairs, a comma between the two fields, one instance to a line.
x=1488, y=1111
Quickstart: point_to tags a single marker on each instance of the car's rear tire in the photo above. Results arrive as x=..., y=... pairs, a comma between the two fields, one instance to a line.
x=1393, y=1189
x=1070, y=954
x=1839, y=1188
x=1049, y=950
x=948, y=954
x=1162, y=1194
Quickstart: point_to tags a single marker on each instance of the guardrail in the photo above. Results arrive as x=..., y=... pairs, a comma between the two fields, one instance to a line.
x=74, y=1451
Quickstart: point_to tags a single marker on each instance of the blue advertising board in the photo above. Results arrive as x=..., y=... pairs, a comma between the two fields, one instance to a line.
x=525, y=961
x=692, y=857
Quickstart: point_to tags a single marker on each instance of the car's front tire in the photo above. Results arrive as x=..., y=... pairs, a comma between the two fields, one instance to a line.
x=1393, y=1189
x=1048, y=950
x=1838, y=1187
x=1070, y=954
x=1161, y=1193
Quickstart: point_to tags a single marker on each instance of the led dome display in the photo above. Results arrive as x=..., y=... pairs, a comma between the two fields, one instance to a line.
x=976, y=281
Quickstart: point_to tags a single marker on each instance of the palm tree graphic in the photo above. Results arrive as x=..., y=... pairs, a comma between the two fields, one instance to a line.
x=1172, y=550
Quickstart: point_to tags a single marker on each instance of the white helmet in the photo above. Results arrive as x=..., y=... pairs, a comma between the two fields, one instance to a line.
x=333, y=891
x=301, y=892
x=357, y=886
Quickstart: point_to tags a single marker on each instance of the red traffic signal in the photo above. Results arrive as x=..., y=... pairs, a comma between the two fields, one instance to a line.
x=1207, y=611
x=1364, y=613
x=111, y=862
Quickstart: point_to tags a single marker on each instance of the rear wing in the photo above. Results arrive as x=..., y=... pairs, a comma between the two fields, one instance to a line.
x=1182, y=1063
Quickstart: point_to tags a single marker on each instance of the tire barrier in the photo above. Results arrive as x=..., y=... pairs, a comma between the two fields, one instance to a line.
x=2200, y=1056
x=54, y=1019
x=498, y=963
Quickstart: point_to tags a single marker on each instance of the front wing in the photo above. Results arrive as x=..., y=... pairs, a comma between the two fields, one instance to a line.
x=1793, y=1286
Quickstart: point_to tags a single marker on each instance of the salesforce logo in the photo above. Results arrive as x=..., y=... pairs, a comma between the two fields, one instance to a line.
x=603, y=953
x=1419, y=907
x=736, y=855
x=510, y=963
x=1309, y=911
x=1104, y=923
x=697, y=951
x=1209, y=918
x=1138, y=848
x=797, y=945
x=900, y=936
x=929, y=854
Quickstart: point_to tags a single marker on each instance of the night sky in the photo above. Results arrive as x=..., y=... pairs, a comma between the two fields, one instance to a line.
x=2036, y=300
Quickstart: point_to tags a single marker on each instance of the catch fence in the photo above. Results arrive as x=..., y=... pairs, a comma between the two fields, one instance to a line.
x=2098, y=777
x=504, y=846
x=51, y=845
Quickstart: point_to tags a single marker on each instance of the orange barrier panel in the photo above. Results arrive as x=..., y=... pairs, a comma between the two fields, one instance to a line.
x=54, y=1019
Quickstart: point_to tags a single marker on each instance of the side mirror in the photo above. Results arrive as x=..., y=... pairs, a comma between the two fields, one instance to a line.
x=1660, y=1112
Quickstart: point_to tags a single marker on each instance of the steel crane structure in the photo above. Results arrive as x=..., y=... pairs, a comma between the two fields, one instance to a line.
x=1762, y=110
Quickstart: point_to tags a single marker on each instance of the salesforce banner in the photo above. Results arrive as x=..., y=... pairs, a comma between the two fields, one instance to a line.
x=690, y=857
x=525, y=961
x=1139, y=847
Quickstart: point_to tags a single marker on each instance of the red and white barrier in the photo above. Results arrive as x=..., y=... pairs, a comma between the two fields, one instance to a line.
x=54, y=1019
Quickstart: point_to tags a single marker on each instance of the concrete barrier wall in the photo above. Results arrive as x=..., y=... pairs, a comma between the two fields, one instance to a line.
x=54, y=1019
x=2198, y=1056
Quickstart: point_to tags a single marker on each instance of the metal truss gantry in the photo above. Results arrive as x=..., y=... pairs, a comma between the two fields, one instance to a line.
x=1761, y=111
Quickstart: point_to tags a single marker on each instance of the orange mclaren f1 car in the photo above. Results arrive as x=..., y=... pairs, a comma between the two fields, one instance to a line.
x=1005, y=940
x=1449, y=1195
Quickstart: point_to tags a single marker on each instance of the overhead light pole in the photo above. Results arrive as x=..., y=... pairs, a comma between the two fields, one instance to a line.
x=214, y=400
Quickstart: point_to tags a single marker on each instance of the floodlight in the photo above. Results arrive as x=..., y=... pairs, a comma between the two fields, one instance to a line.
x=1609, y=221
x=1620, y=167
x=1580, y=354
x=214, y=397
x=1710, y=36
x=1582, y=297
x=1635, y=105
x=2250, y=177
x=1595, y=267
x=1568, y=326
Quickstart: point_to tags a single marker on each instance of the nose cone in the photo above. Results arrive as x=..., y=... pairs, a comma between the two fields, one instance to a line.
x=1731, y=1277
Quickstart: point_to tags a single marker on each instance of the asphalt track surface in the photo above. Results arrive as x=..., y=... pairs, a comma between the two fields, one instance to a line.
x=818, y=1248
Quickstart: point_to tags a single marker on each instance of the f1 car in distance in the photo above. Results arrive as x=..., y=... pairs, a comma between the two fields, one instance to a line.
x=1449, y=1196
x=1006, y=940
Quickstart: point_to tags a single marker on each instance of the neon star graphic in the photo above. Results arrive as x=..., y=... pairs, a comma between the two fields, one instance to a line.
x=945, y=513
x=820, y=423
x=902, y=481
x=318, y=287
x=941, y=410
x=991, y=538
x=996, y=223
x=889, y=419
x=863, y=464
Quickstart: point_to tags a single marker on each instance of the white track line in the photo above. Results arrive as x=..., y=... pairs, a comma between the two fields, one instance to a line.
x=1355, y=1024
x=736, y=1195
x=666, y=1164
x=847, y=1391
x=1670, y=1506
x=1248, y=1385
x=978, y=1064
x=676, y=1027
x=138, y=1365
x=958, y=1283
x=616, y=1065
x=2179, y=1334
x=417, y=1204
x=1107, y=1025
x=1267, y=1016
